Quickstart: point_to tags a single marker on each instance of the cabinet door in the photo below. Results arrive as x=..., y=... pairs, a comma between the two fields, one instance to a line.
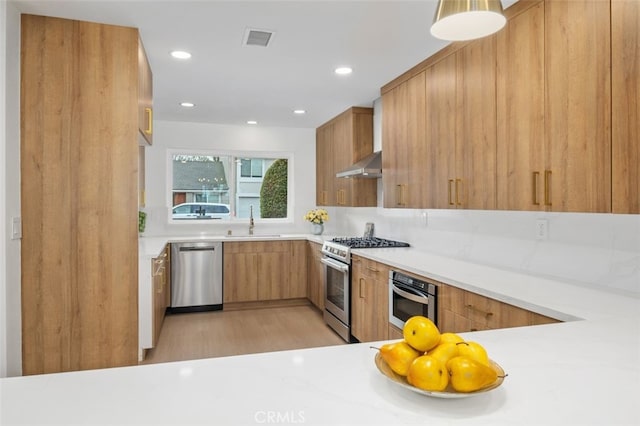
x=145, y=95
x=475, y=181
x=403, y=143
x=362, y=302
x=441, y=133
x=240, y=277
x=520, y=111
x=578, y=105
x=159, y=296
x=325, y=170
x=378, y=273
x=315, y=271
x=625, y=83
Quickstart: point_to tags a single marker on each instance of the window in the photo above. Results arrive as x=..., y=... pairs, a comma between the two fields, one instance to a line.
x=228, y=187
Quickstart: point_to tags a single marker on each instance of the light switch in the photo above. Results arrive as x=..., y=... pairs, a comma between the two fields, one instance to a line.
x=16, y=228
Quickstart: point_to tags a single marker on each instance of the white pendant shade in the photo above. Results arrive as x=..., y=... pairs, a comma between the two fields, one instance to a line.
x=457, y=20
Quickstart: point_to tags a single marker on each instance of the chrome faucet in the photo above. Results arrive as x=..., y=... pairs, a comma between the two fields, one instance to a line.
x=251, y=224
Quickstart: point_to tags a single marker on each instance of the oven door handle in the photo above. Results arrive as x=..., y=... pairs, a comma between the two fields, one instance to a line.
x=335, y=264
x=414, y=297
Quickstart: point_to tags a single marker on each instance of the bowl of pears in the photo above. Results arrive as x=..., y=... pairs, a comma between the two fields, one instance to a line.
x=441, y=365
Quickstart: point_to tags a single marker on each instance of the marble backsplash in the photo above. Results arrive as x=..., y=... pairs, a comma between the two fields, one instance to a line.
x=590, y=249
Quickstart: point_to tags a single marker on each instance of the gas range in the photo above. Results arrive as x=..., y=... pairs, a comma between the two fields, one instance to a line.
x=371, y=242
x=340, y=248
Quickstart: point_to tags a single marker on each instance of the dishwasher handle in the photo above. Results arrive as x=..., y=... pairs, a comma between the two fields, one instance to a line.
x=197, y=248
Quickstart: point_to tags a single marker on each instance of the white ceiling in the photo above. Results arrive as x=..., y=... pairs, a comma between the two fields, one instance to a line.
x=231, y=83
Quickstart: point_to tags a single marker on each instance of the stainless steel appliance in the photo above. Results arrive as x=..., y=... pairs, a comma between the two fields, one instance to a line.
x=408, y=297
x=196, y=276
x=337, y=284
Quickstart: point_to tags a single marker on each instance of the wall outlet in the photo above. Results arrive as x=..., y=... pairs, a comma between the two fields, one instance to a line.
x=425, y=219
x=16, y=228
x=542, y=229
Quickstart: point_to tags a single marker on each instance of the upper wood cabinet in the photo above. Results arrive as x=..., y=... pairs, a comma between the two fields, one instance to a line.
x=145, y=95
x=625, y=84
x=340, y=143
x=520, y=108
x=474, y=184
x=578, y=105
x=546, y=114
x=404, y=144
x=79, y=198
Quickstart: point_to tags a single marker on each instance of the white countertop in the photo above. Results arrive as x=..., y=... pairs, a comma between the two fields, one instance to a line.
x=582, y=372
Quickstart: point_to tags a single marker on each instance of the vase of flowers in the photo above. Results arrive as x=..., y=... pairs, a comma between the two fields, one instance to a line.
x=317, y=217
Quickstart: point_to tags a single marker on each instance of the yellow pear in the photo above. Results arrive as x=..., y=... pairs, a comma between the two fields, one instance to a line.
x=421, y=333
x=473, y=350
x=399, y=356
x=444, y=352
x=468, y=375
x=451, y=338
x=428, y=373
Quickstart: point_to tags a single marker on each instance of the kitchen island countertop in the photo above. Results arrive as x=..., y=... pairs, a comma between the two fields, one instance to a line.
x=583, y=371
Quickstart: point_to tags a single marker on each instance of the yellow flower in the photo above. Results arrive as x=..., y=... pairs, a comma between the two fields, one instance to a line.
x=318, y=216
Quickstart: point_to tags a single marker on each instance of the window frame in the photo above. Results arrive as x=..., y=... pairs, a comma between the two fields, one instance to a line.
x=232, y=180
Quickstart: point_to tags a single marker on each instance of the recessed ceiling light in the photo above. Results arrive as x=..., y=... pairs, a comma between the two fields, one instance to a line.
x=252, y=122
x=180, y=54
x=187, y=104
x=299, y=111
x=343, y=70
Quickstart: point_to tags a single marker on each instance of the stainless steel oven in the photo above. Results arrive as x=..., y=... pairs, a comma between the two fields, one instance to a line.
x=337, y=272
x=337, y=283
x=409, y=297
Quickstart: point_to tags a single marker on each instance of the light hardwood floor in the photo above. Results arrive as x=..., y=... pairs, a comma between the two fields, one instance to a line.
x=223, y=333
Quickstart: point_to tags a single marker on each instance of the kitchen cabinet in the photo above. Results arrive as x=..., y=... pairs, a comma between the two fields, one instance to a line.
x=315, y=274
x=264, y=271
x=461, y=311
x=520, y=108
x=341, y=142
x=578, y=106
x=625, y=86
x=145, y=95
x=403, y=144
x=161, y=290
x=440, y=159
x=79, y=197
x=369, y=300
x=395, y=333
x=474, y=185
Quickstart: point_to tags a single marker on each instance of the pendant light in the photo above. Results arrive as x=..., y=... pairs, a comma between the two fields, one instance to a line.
x=457, y=20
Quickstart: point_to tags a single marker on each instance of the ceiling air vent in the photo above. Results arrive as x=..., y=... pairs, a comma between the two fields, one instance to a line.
x=253, y=37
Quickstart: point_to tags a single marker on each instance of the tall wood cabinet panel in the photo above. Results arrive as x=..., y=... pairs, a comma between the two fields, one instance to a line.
x=578, y=105
x=474, y=185
x=404, y=144
x=79, y=180
x=341, y=142
x=625, y=84
x=520, y=111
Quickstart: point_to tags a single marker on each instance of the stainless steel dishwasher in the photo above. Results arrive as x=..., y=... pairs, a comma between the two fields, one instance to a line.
x=196, y=276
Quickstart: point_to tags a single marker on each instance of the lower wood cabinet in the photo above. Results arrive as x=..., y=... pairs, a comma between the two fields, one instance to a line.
x=315, y=275
x=369, y=300
x=461, y=311
x=264, y=270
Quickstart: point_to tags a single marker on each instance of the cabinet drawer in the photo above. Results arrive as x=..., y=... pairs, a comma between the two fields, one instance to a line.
x=257, y=246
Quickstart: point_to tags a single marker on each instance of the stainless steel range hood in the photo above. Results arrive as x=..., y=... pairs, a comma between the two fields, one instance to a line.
x=369, y=167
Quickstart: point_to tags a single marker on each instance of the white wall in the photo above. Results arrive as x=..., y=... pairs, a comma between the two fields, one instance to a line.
x=10, y=319
x=202, y=136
